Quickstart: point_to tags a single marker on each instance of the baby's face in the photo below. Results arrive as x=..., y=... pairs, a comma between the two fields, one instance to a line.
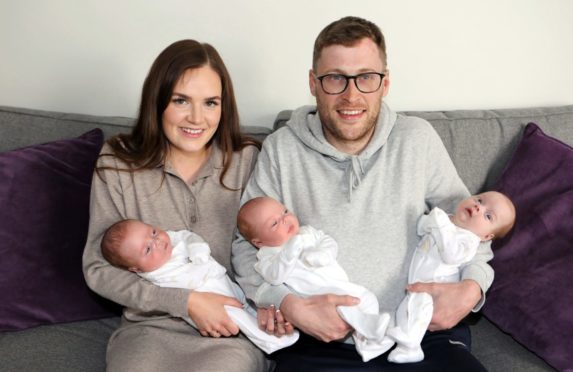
x=483, y=214
x=145, y=247
x=274, y=224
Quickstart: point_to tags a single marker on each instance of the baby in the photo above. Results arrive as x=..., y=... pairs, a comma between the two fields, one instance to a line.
x=305, y=260
x=182, y=259
x=447, y=243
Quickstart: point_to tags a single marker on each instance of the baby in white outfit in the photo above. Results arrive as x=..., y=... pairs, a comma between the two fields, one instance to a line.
x=304, y=259
x=447, y=243
x=182, y=259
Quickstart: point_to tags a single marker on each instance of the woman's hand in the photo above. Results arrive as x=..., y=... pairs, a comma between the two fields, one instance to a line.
x=207, y=311
x=273, y=322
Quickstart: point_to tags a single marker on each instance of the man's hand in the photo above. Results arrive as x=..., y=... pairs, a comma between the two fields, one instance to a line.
x=317, y=315
x=207, y=311
x=452, y=301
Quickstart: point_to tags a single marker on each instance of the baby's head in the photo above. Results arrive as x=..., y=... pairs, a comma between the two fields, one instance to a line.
x=489, y=215
x=264, y=221
x=136, y=246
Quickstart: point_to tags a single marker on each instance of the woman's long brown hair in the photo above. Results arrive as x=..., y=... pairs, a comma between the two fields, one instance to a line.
x=146, y=147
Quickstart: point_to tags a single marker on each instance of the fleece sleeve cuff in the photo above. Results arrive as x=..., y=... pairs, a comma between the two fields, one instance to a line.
x=268, y=295
x=478, y=275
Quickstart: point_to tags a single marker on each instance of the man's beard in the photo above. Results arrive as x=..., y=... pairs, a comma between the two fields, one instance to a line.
x=329, y=124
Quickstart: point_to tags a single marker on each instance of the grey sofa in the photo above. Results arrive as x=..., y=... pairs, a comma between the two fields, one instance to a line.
x=80, y=346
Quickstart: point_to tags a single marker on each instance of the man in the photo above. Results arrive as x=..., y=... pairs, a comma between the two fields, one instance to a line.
x=364, y=175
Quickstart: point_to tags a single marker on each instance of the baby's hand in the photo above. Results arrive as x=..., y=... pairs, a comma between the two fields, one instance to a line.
x=199, y=253
x=200, y=259
x=316, y=258
x=293, y=248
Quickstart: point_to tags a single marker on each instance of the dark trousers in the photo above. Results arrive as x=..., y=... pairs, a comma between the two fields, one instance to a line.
x=444, y=351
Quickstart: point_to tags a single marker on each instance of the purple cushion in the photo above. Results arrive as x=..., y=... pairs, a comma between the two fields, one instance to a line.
x=532, y=295
x=44, y=213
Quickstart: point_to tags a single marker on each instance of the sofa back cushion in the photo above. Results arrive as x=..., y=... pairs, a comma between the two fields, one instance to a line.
x=20, y=127
x=481, y=142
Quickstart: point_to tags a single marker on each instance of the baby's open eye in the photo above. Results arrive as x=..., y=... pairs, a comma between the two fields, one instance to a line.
x=275, y=222
x=488, y=216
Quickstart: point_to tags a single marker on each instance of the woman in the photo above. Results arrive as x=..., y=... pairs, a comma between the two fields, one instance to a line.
x=183, y=166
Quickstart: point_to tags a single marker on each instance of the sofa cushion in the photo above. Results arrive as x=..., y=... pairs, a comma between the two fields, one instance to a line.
x=44, y=213
x=531, y=295
x=480, y=142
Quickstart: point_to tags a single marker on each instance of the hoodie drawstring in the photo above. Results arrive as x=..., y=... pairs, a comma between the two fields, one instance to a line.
x=355, y=172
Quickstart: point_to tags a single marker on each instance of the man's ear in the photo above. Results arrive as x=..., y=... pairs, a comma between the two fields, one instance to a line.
x=386, y=83
x=312, y=82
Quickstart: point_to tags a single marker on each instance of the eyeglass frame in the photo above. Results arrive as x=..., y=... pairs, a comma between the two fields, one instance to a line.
x=348, y=78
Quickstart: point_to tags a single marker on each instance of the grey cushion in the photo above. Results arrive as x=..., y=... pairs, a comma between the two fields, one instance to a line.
x=46, y=126
x=21, y=127
x=73, y=347
x=498, y=352
x=480, y=142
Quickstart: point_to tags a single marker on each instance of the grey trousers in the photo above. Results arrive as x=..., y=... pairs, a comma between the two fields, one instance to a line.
x=171, y=344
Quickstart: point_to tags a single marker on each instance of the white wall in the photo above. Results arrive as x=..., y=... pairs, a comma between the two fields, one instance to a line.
x=92, y=56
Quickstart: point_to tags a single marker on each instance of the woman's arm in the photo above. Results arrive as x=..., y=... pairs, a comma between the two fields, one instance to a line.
x=107, y=206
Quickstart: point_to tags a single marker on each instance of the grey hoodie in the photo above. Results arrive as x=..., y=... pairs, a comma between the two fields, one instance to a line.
x=369, y=203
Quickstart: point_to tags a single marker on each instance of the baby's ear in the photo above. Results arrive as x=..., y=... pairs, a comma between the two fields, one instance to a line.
x=256, y=242
x=133, y=269
x=488, y=237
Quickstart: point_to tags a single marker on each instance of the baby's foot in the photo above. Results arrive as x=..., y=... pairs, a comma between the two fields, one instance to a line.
x=406, y=355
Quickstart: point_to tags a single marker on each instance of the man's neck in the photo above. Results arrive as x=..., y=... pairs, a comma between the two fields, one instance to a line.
x=350, y=147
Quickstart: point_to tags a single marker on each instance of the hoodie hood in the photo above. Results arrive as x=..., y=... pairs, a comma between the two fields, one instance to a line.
x=305, y=124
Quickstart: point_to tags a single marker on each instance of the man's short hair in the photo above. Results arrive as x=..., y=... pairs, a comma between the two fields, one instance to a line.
x=348, y=31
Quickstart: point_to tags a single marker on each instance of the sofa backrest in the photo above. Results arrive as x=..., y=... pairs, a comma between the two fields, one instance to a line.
x=21, y=127
x=481, y=142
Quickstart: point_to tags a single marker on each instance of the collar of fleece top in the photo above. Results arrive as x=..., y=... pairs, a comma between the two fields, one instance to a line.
x=305, y=123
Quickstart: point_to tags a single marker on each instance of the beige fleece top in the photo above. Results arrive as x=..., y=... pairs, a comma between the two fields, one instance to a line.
x=204, y=207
